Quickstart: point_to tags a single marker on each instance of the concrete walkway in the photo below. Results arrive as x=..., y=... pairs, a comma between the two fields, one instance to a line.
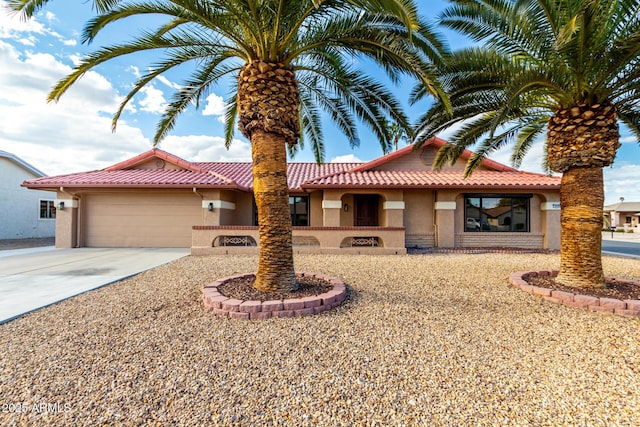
x=37, y=277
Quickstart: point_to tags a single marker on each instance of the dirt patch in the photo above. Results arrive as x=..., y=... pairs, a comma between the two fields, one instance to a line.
x=618, y=289
x=242, y=289
x=8, y=244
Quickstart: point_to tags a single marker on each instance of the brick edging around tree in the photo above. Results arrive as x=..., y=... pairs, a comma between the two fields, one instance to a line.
x=224, y=306
x=626, y=308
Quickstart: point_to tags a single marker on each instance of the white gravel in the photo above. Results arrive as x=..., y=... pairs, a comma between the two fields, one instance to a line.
x=438, y=340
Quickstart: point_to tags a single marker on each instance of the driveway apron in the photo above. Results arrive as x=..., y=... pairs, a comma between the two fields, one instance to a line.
x=34, y=278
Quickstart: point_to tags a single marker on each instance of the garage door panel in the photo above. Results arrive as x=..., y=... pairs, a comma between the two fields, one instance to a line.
x=140, y=220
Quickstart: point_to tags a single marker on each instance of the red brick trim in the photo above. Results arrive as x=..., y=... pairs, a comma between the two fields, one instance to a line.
x=220, y=305
x=255, y=227
x=626, y=308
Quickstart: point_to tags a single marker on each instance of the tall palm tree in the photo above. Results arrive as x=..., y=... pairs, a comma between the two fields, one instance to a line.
x=569, y=68
x=398, y=133
x=289, y=60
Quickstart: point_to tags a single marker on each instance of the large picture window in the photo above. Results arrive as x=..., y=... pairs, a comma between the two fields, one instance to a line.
x=47, y=209
x=496, y=213
x=299, y=207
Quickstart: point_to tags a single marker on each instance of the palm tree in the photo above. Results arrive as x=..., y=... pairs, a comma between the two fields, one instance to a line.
x=289, y=60
x=397, y=134
x=569, y=68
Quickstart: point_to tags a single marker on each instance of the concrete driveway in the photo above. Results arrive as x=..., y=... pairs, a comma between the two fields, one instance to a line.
x=34, y=278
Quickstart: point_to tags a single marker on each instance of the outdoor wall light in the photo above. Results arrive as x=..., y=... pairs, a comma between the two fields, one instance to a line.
x=61, y=206
x=210, y=207
x=346, y=207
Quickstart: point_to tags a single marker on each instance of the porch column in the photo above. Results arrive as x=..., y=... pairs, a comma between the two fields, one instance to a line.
x=395, y=213
x=615, y=219
x=66, y=223
x=445, y=220
x=550, y=212
x=331, y=213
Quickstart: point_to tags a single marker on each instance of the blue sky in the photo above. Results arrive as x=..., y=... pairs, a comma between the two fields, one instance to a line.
x=75, y=134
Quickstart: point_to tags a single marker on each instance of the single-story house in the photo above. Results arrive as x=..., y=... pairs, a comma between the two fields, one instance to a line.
x=382, y=206
x=24, y=214
x=623, y=214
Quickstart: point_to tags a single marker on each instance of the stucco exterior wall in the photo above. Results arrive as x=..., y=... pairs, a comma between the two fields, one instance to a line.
x=419, y=160
x=68, y=221
x=315, y=209
x=550, y=219
x=20, y=207
x=243, y=214
x=325, y=240
x=346, y=218
x=166, y=217
x=158, y=164
x=418, y=218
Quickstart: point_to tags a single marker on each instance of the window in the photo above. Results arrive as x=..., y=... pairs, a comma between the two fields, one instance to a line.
x=499, y=213
x=299, y=207
x=47, y=209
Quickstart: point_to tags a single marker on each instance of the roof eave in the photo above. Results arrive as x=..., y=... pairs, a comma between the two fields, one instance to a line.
x=21, y=163
x=55, y=186
x=431, y=187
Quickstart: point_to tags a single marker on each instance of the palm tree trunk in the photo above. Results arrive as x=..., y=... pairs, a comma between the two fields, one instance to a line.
x=275, y=265
x=582, y=200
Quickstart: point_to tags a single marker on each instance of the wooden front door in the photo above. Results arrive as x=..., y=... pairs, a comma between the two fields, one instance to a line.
x=366, y=210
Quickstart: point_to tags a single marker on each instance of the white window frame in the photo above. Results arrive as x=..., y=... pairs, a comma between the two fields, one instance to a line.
x=51, y=210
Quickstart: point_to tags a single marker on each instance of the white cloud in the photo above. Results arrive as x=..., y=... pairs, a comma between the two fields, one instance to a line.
x=215, y=107
x=532, y=162
x=135, y=70
x=622, y=181
x=28, y=41
x=153, y=100
x=346, y=158
x=203, y=148
x=629, y=139
x=447, y=133
x=167, y=82
x=74, y=134
x=13, y=26
x=75, y=58
x=70, y=136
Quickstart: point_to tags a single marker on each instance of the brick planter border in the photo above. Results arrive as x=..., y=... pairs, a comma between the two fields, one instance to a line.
x=626, y=308
x=221, y=305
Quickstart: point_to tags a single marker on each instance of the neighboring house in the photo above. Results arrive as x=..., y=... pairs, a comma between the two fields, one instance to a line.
x=23, y=213
x=383, y=206
x=623, y=214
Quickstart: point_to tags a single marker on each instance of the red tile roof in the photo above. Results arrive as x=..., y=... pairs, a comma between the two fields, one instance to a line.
x=147, y=178
x=300, y=176
x=297, y=173
x=433, y=179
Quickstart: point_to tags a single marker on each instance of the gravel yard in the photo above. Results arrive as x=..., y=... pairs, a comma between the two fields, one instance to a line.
x=422, y=340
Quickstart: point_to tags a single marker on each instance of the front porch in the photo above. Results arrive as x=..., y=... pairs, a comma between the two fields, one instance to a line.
x=240, y=239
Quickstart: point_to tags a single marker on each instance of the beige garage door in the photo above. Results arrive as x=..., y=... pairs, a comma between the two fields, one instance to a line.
x=140, y=219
